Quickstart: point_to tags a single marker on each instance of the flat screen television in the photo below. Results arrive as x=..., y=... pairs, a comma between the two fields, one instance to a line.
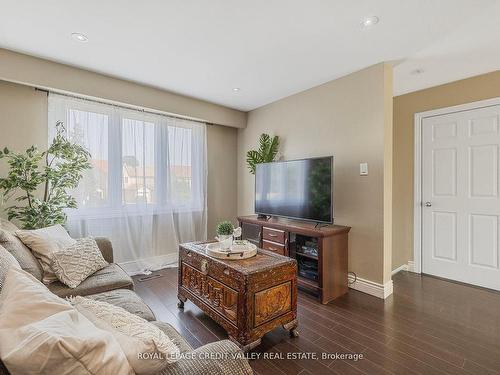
x=296, y=189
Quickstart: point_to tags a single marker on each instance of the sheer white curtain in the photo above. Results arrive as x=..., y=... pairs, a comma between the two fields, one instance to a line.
x=146, y=190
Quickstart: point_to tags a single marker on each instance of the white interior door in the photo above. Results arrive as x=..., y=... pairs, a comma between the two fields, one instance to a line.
x=460, y=191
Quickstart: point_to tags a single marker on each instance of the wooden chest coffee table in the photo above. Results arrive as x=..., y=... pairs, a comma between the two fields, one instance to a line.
x=248, y=297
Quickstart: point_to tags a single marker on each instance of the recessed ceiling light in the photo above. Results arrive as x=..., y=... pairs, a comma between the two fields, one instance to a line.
x=236, y=89
x=369, y=21
x=417, y=71
x=80, y=37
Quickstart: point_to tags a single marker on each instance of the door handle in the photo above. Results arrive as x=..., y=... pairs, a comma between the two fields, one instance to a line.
x=428, y=204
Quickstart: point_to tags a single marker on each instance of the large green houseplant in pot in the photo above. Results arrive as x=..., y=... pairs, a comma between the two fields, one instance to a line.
x=39, y=181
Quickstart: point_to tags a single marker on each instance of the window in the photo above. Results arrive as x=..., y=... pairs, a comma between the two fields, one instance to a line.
x=90, y=130
x=146, y=190
x=179, y=154
x=138, y=159
x=138, y=162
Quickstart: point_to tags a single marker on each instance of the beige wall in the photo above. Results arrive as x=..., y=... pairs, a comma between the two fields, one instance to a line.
x=23, y=122
x=345, y=118
x=19, y=68
x=405, y=106
x=23, y=119
x=222, y=167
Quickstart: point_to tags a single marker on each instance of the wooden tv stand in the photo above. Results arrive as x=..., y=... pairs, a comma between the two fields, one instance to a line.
x=321, y=253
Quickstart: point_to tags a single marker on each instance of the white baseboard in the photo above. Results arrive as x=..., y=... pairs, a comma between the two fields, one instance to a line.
x=403, y=267
x=372, y=288
x=410, y=267
x=146, y=265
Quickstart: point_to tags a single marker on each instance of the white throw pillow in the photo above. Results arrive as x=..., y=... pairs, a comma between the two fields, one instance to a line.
x=77, y=262
x=43, y=243
x=137, y=337
x=41, y=333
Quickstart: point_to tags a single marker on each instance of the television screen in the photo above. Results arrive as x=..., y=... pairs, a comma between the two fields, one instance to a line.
x=299, y=189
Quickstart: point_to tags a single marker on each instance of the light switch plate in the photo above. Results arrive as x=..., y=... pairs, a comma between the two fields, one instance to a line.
x=363, y=169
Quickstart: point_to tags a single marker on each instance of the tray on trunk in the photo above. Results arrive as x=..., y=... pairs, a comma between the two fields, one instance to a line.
x=239, y=250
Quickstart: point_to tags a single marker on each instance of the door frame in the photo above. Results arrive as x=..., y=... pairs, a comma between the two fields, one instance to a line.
x=417, y=169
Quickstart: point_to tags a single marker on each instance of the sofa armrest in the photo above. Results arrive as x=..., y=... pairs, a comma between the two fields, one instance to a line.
x=106, y=248
x=217, y=358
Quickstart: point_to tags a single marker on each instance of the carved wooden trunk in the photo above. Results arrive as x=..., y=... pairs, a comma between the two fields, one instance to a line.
x=248, y=298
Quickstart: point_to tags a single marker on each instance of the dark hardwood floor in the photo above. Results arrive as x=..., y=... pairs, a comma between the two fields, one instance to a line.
x=428, y=326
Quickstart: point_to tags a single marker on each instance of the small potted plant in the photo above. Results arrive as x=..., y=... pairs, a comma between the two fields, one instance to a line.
x=225, y=230
x=226, y=233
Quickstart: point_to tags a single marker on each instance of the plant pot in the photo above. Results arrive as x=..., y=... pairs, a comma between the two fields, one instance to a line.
x=225, y=240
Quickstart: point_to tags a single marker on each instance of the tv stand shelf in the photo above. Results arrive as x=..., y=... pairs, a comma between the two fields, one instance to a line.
x=321, y=252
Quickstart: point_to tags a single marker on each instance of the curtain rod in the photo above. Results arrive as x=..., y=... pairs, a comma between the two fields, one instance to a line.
x=125, y=106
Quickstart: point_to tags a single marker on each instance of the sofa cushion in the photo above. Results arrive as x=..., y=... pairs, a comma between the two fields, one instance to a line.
x=44, y=242
x=7, y=260
x=127, y=300
x=41, y=333
x=175, y=336
x=23, y=255
x=229, y=359
x=109, y=278
x=77, y=262
x=135, y=335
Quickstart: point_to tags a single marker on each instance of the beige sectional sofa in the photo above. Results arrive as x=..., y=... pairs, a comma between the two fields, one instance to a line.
x=114, y=286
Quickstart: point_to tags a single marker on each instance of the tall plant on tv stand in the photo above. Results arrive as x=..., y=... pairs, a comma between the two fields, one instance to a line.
x=53, y=172
x=267, y=152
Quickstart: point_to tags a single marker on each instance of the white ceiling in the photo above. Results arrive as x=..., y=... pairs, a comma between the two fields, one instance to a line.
x=471, y=48
x=268, y=48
